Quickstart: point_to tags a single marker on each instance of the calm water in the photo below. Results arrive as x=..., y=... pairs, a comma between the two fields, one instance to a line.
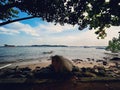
x=36, y=53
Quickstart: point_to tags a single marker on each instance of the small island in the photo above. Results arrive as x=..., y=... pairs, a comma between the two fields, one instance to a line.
x=6, y=45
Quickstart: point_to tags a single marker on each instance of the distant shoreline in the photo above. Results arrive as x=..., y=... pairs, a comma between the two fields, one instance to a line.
x=97, y=47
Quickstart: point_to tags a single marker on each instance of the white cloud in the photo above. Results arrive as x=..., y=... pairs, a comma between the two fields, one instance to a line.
x=8, y=31
x=37, y=30
x=25, y=28
x=17, y=27
x=81, y=38
x=48, y=33
x=55, y=28
x=90, y=38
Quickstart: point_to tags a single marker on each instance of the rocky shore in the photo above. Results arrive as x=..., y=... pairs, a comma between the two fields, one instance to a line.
x=83, y=71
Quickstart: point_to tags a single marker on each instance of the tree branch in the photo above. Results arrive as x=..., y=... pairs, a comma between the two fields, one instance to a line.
x=11, y=21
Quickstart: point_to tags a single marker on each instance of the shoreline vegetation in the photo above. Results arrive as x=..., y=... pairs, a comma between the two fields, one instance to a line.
x=39, y=72
x=6, y=45
x=47, y=45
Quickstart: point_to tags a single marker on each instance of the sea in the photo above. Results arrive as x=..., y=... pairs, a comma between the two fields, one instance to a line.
x=20, y=54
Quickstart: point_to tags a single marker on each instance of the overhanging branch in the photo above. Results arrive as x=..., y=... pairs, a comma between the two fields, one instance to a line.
x=11, y=21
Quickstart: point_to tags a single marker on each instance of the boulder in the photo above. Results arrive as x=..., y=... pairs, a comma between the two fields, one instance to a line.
x=115, y=59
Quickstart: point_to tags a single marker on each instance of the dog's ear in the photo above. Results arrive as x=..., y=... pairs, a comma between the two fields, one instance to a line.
x=54, y=56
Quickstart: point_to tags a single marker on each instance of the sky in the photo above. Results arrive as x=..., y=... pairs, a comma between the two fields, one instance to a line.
x=38, y=32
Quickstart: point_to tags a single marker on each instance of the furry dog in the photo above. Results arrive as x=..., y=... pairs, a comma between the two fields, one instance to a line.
x=61, y=64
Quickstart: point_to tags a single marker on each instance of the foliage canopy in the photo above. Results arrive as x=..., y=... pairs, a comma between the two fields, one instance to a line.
x=95, y=14
x=114, y=45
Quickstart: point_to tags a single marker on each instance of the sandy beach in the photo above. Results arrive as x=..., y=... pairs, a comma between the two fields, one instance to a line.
x=38, y=64
x=77, y=63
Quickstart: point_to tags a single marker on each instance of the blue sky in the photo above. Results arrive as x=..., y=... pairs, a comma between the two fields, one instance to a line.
x=37, y=31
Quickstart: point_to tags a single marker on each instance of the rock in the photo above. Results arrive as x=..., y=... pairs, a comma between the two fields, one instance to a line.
x=89, y=74
x=99, y=70
x=105, y=63
x=45, y=73
x=117, y=65
x=77, y=60
x=99, y=67
x=115, y=59
x=99, y=61
x=76, y=69
x=101, y=73
x=37, y=69
x=25, y=69
x=78, y=74
x=83, y=69
x=89, y=59
x=50, y=52
x=16, y=76
x=105, y=58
